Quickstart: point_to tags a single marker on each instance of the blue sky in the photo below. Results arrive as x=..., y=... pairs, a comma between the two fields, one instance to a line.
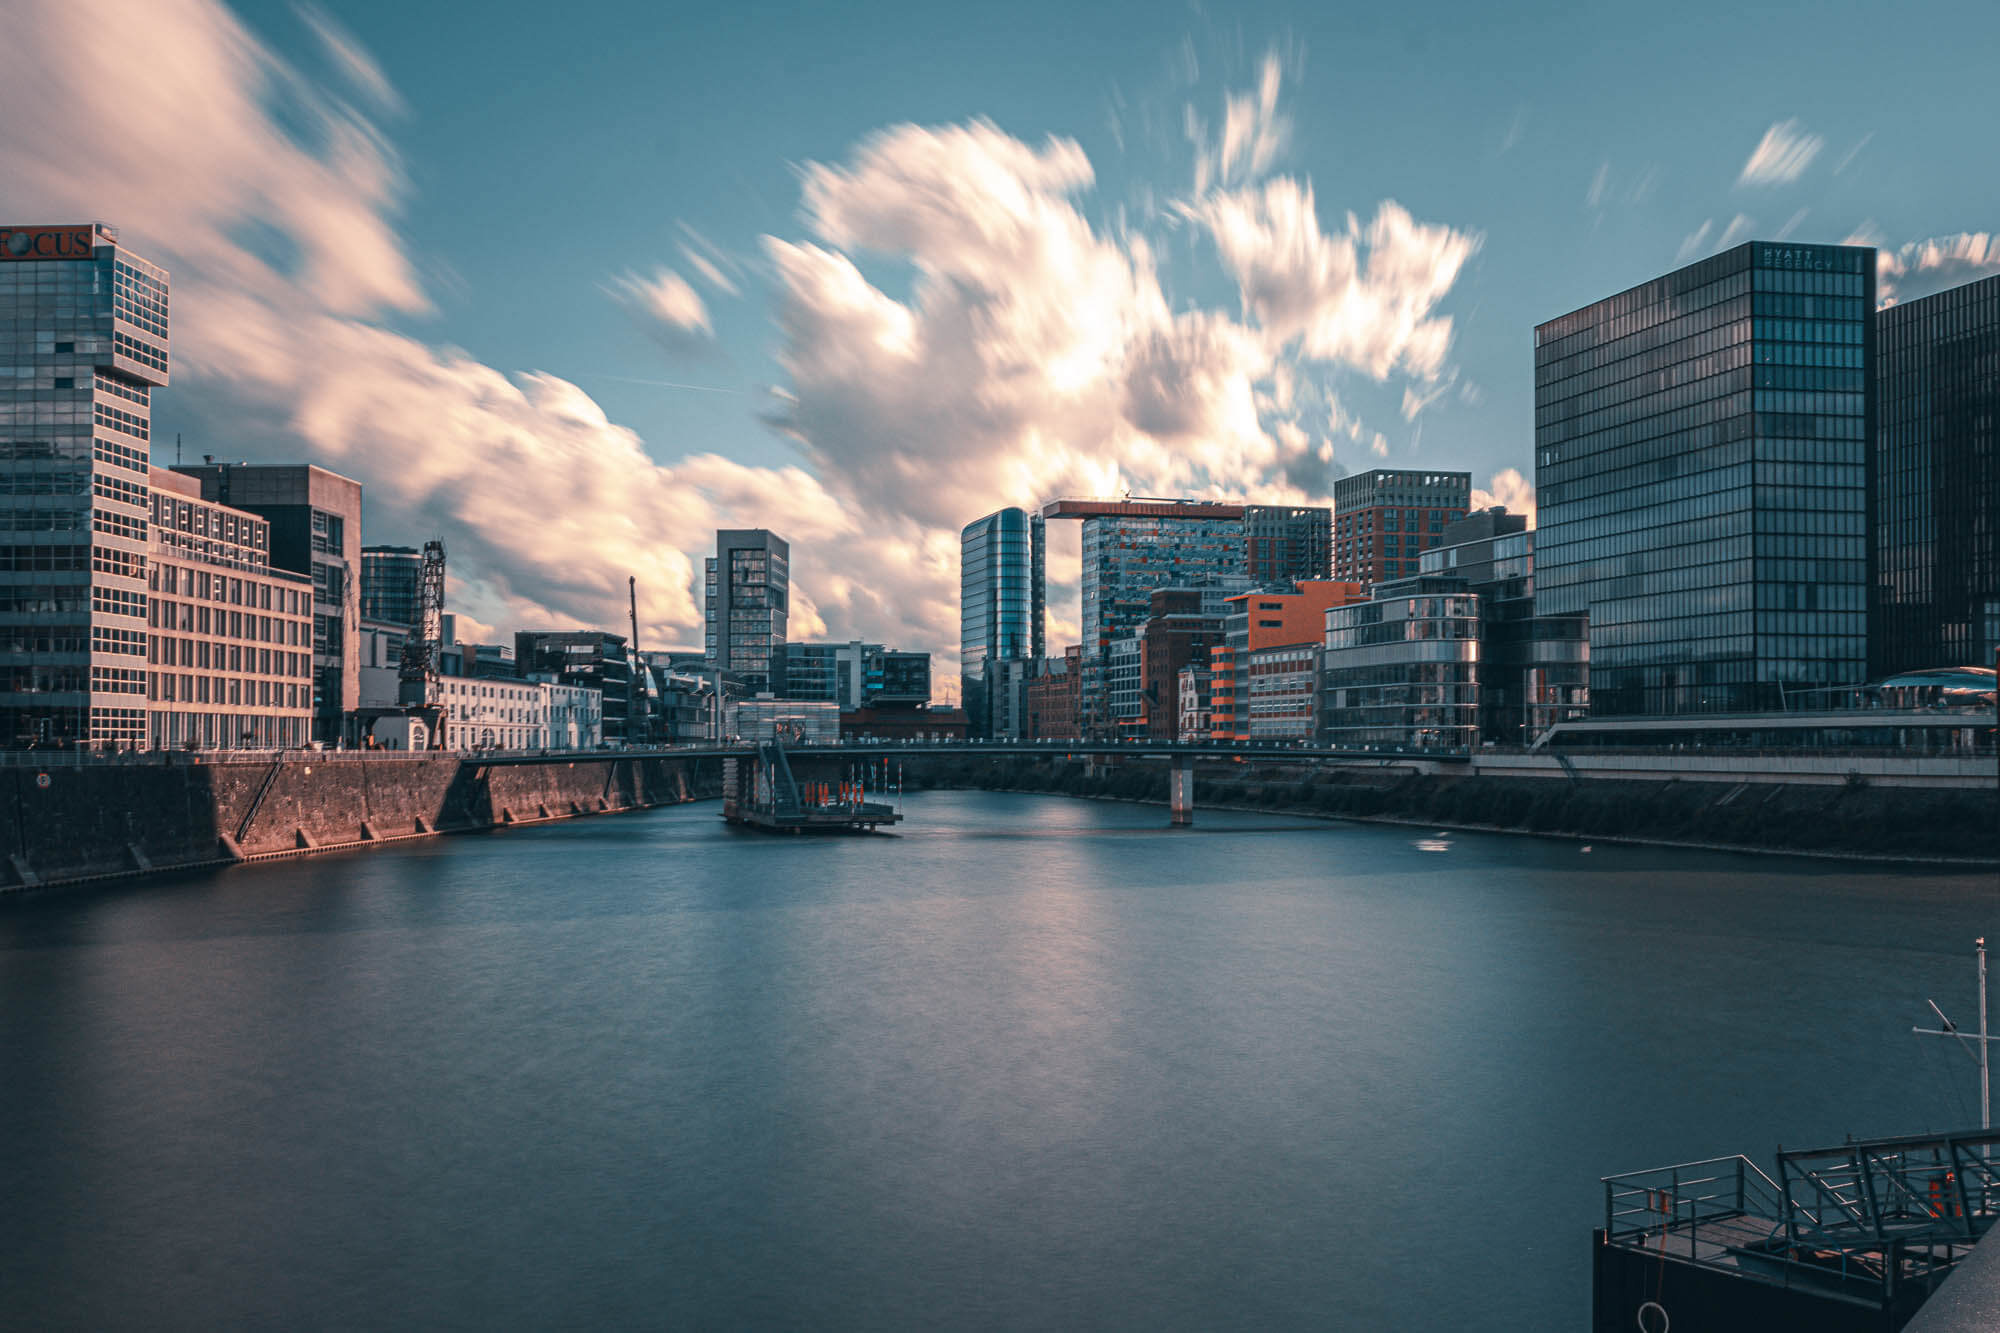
x=965, y=256
x=608, y=130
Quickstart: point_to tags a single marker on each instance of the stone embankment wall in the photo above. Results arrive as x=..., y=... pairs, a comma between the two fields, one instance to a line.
x=63, y=823
x=1855, y=817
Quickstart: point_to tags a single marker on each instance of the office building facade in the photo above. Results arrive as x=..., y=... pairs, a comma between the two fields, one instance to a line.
x=748, y=582
x=857, y=675
x=228, y=647
x=1402, y=669
x=1287, y=543
x=391, y=582
x=1534, y=670
x=586, y=659
x=1260, y=621
x=315, y=518
x=1384, y=520
x=84, y=331
x=1001, y=602
x=1934, y=551
x=1701, y=459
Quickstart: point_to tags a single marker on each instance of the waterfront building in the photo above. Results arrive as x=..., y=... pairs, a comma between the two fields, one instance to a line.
x=1183, y=625
x=794, y=721
x=1268, y=619
x=1534, y=670
x=1701, y=459
x=590, y=659
x=315, y=518
x=901, y=724
x=84, y=332
x=391, y=577
x=1934, y=552
x=378, y=665
x=1007, y=682
x=1053, y=698
x=227, y=643
x=1124, y=696
x=1192, y=694
x=1281, y=684
x=856, y=674
x=748, y=585
x=1287, y=543
x=1384, y=520
x=1402, y=669
x=1001, y=602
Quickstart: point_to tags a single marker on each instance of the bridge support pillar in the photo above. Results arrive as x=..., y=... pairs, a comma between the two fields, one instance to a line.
x=1180, y=791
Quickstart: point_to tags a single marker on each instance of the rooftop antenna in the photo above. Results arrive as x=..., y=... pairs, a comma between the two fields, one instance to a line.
x=177, y=448
x=1983, y=1056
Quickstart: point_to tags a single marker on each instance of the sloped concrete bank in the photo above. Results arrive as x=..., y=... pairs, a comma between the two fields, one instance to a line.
x=1854, y=818
x=66, y=825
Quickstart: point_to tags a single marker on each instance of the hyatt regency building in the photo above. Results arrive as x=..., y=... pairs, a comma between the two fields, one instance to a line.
x=1701, y=470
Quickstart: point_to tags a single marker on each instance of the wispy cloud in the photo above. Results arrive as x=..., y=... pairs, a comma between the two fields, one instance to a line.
x=1599, y=183
x=1781, y=156
x=667, y=303
x=1784, y=233
x=1848, y=157
x=1906, y=272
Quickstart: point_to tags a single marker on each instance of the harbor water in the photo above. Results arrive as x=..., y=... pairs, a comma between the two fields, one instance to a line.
x=1030, y=1063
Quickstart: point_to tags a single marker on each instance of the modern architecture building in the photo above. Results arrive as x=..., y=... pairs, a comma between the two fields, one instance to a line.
x=748, y=583
x=391, y=577
x=1701, y=460
x=856, y=674
x=1266, y=620
x=588, y=659
x=227, y=639
x=1383, y=521
x=84, y=340
x=1287, y=543
x=1402, y=669
x=1534, y=670
x=315, y=518
x=1001, y=602
x=1281, y=683
x=1183, y=625
x=1934, y=501
x=795, y=721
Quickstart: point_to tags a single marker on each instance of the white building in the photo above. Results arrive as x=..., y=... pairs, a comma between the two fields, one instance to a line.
x=482, y=713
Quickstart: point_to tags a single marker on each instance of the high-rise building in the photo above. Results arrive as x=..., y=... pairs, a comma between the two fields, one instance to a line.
x=315, y=518
x=1934, y=551
x=229, y=642
x=856, y=675
x=391, y=580
x=1000, y=604
x=1701, y=458
x=1383, y=521
x=1131, y=547
x=748, y=583
x=1287, y=543
x=83, y=331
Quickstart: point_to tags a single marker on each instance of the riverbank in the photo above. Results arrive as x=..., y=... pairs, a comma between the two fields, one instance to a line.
x=1855, y=819
x=69, y=825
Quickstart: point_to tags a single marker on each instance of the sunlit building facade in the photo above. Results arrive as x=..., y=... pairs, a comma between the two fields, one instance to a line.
x=748, y=586
x=83, y=344
x=1001, y=595
x=1384, y=520
x=1701, y=473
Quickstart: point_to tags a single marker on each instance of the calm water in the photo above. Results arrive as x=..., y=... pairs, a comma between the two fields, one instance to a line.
x=1036, y=1063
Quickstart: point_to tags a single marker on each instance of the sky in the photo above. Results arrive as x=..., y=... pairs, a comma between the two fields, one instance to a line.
x=571, y=287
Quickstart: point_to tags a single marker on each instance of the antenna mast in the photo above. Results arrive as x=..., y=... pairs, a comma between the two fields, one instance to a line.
x=1984, y=1054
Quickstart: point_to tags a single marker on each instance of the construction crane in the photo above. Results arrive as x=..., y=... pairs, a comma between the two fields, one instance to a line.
x=417, y=687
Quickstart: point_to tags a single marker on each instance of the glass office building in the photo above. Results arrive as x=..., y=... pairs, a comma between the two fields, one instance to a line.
x=1001, y=595
x=391, y=577
x=1935, y=544
x=1701, y=459
x=83, y=343
x=747, y=604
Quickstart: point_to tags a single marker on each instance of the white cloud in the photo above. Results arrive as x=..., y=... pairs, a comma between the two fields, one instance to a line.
x=1791, y=225
x=1692, y=245
x=1921, y=268
x=1253, y=134
x=1736, y=232
x=1847, y=158
x=1781, y=156
x=666, y=302
x=351, y=60
x=1364, y=297
x=1510, y=489
x=1599, y=183
x=1033, y=355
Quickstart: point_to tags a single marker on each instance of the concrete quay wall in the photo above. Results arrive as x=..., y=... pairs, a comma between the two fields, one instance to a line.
x=68, y=823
